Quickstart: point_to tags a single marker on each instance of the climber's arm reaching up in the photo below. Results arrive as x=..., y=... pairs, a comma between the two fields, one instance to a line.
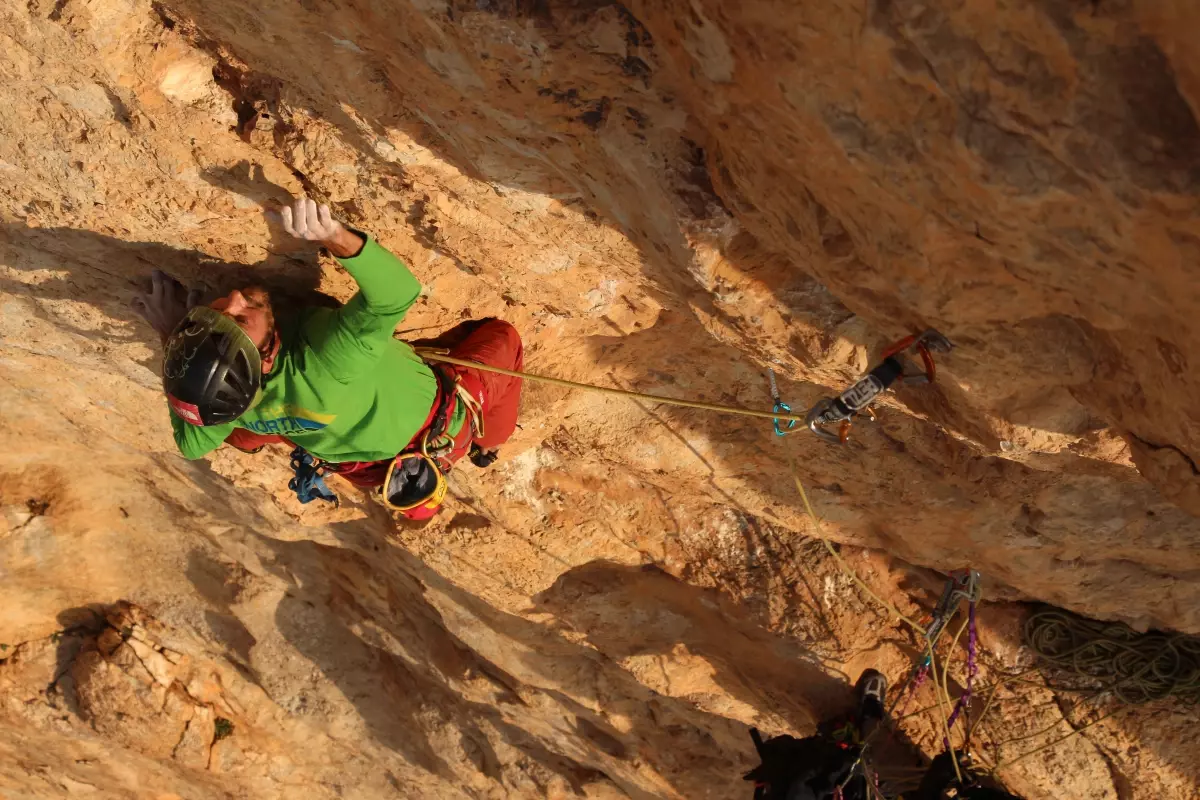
x=349, y=339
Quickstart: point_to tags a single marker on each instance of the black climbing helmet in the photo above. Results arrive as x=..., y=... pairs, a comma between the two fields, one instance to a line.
x=212, y=369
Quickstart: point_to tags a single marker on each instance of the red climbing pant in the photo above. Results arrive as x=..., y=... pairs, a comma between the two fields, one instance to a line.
x=496, y=343
x=250, y=442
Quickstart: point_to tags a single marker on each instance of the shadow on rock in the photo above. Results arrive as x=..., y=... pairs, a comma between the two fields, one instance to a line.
x=106, y=273
x=386, y=648
x=79, y=626
x=216, y=582
x=322, y=615
x=527, y=660
x=627, y=611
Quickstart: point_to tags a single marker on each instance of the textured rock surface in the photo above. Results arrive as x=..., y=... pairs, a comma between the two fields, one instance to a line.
x=669, y=197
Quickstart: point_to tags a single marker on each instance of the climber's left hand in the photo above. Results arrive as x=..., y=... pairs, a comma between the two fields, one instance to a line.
x=163, y=301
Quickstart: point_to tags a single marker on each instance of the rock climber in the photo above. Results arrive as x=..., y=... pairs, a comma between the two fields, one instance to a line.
x=825, y=766
x=941, y=781
x=831, y=765
x=335, y=382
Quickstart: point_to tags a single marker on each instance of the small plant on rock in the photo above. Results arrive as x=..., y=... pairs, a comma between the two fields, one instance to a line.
x=221, y=728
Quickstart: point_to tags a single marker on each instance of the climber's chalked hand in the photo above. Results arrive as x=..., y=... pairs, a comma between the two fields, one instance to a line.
x=306, y=220
x=313, y=223
x=163, y=301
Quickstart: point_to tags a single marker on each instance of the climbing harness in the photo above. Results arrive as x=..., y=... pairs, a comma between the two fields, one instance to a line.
x=962, y=585
x=780, y=406
x=308, y=483
x=436, y=444
x=1135, y=667
x=859, y=397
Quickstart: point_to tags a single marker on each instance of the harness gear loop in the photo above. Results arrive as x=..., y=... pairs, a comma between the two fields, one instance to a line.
x=473, y=406
x=867, y=389
x=960, y=585
x=308, y=483
x=780, y=406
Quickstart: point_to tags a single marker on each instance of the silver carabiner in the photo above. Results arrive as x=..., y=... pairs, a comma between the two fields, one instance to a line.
x=824, y=413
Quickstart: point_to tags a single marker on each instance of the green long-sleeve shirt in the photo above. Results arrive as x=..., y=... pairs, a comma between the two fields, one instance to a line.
x=341, y=386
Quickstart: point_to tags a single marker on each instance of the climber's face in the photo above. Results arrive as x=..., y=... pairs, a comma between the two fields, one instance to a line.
x=250, y=308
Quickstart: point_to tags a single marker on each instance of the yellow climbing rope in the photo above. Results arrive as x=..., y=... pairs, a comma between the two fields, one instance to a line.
x=1148, y=675
x=437, y=354
x=1053, y=742
x=841, y=562
x=940, y=690
x=1135, y=667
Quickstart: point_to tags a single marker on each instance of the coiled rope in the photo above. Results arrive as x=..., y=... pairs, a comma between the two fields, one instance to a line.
x=1135, y=667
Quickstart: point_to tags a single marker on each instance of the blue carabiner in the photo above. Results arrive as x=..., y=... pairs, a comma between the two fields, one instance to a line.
x=782, y=407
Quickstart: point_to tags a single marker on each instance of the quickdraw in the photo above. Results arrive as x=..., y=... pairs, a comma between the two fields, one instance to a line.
x=960, y=585
x=435, y=443
x=859, y=397
x=780, y=406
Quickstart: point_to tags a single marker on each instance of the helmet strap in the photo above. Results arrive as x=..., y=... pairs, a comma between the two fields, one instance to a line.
x=271, y=348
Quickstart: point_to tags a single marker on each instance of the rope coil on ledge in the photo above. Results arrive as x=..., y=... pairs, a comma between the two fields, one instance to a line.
x=1136, y=667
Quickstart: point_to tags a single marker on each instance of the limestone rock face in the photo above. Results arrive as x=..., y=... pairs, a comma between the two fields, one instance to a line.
x=671, y=197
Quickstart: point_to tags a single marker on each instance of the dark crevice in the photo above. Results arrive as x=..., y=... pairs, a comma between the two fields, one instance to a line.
x=59, y=7
x=1152, y=446
x=1121, y=783
x=254, y=96
x=37, y=508
x=120, y=110
x=310, y=188
x=182, y=736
